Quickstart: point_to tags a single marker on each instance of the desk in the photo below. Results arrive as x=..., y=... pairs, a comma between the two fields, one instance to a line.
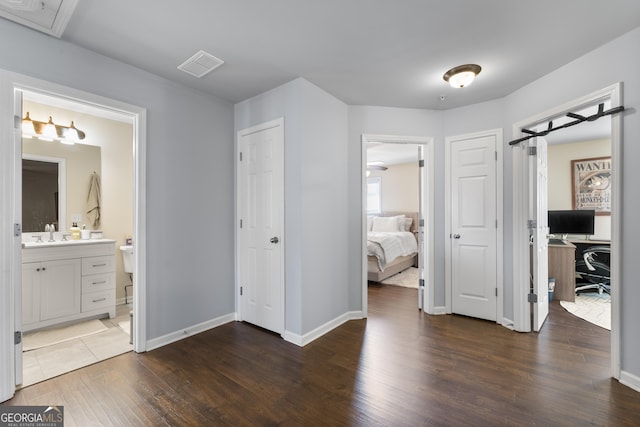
x=562, y=266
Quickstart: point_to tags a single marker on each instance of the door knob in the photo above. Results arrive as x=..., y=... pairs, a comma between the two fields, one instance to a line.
x=274, y=240
x=456, y=236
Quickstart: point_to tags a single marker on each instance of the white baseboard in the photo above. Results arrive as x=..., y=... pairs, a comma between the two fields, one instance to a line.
x=630, y=380
x=439, y=310
x=302, y=340
x=508, y=323
x=191, y=330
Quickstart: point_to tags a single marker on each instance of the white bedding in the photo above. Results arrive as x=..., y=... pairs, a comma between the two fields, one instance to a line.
x=387, y=246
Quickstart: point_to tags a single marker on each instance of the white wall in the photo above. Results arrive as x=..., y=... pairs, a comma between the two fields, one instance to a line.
x=399, y=187
x=315, y=198
x=190, y=160
x=559, y=159
x=613, y=62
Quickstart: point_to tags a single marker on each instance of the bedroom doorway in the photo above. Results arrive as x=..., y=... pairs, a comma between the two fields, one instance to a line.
x=388, y=161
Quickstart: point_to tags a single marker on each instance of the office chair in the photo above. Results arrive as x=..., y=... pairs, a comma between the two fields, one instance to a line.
x=596, y=274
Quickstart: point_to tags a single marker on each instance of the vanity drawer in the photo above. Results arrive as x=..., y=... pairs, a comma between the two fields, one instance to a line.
x=98, y=265
x=98, y=282
x=97, y=300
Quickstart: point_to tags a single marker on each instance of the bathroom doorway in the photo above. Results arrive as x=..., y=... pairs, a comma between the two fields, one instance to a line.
x=34, y=94
x=104, y=156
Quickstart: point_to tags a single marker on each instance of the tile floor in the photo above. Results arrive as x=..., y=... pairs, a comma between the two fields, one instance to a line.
x=48, y=362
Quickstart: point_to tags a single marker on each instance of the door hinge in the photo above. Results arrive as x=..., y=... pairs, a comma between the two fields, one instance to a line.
x=496, y=155
x=496, y=291
x=533, y=151
x=421, y=222
x=240, y=290
x=421, y=283
x=241, y=156
x=496, y=223
x=240, y=223
x=17, y=337
x=17, y=230
x=532, y=224
x=17, y=122
x=532, y=298
x=420, y=163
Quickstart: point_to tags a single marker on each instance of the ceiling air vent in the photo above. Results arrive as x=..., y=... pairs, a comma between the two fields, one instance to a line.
x=200, y=64
x=48, y=16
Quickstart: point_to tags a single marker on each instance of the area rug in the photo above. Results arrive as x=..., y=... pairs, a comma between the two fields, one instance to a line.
x=46, y=337
x=592, y=307
x=407, y=278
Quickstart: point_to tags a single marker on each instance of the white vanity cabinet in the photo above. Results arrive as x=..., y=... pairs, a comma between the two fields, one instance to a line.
x=50, y=289
x=67, y=282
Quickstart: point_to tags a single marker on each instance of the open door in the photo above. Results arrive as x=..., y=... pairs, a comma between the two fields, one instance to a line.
x=539, y=231
x=17, y=248
x=420, y=228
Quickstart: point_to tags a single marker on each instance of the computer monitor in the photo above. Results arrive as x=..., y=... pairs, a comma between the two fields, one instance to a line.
x=572, y=222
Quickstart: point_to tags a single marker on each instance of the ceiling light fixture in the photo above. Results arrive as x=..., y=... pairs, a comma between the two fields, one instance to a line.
x=462, y=75
x=49, y=131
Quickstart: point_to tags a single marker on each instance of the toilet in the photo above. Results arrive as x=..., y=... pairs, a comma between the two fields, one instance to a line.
x=127, y=260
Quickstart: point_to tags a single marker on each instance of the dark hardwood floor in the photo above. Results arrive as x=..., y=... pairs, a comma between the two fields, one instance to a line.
x=399, y=367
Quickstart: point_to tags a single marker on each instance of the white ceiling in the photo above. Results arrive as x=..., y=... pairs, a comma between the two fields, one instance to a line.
x=392, y=154
x=364, y=52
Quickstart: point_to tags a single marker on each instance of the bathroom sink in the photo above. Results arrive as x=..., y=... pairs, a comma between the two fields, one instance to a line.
x=46, y=244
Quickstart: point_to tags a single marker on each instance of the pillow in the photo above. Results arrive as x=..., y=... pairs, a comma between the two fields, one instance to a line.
x=388, y=223
x=407, y=224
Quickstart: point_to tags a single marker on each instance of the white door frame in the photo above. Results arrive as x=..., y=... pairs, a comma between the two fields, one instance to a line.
x=279, y=122
x=428, y=211
x=10, y=153
x=521, y=308
x=497, y=133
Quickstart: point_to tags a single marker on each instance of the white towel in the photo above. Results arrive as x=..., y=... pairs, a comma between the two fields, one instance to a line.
x=93, y=201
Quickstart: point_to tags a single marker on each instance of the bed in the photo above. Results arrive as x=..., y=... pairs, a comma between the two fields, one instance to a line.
x=391, y=244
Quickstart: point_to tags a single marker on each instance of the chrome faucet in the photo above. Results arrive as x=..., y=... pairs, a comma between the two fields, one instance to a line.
x=50, y=228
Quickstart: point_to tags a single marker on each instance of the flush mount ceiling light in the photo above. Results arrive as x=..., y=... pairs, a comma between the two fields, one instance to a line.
x=462, y=75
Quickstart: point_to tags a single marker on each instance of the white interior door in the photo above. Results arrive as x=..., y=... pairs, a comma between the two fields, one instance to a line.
x=539, y=230
x=261, y=209
x=420, y=228
x=474, y=227
x=17, y=252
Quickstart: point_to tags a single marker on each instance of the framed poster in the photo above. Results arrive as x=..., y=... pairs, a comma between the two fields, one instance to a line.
x=591, y=184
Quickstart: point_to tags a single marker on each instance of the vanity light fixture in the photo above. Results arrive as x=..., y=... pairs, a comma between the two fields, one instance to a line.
x=49, y=131
x=462, y=75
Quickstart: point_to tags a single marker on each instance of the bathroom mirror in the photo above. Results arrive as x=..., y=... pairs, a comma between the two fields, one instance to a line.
x=43, y=192
x=75, y=165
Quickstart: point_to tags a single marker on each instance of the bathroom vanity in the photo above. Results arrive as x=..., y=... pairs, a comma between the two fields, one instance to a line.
x=65, y=281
